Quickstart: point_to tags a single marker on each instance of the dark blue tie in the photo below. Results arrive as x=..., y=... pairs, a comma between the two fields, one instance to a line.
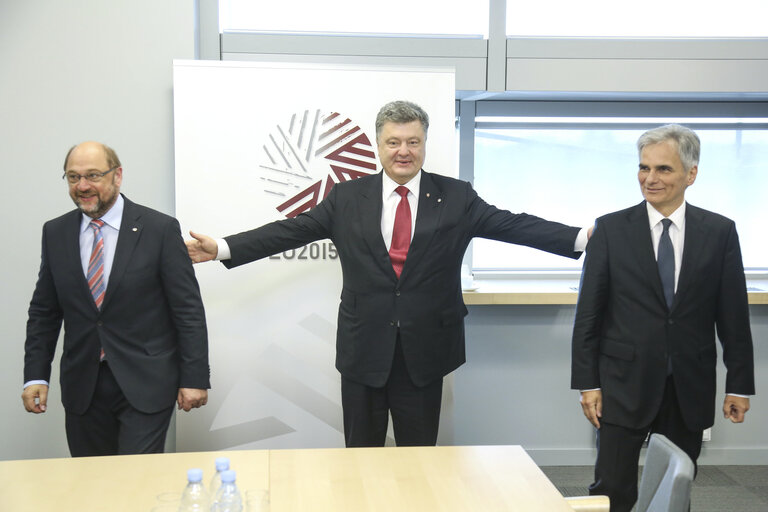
x=666, y=261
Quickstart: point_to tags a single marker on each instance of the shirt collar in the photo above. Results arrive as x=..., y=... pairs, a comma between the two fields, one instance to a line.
x=677, y=217
x=388, y=185
x=112, y=218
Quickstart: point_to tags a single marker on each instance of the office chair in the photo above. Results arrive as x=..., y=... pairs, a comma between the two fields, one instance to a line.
x=667, y=478
x=664, y=487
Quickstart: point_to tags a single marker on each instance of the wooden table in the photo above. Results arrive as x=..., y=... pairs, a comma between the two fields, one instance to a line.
x=423, y=479
x=129, y=483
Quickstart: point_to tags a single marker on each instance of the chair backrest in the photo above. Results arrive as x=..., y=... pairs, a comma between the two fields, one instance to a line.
x=667, y=478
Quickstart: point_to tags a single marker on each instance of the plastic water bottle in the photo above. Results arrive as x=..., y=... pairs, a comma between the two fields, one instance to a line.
x=222, y=464
x=194, y=498
x=228, y=497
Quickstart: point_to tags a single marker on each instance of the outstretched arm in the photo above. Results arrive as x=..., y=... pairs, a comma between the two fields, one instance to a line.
x=487, y=221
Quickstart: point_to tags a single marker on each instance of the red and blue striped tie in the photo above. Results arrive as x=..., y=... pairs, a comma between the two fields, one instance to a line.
x=95, y=273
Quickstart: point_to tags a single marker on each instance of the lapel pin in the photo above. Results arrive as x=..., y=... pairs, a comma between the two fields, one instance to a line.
x=427, y=194
x=135, y=229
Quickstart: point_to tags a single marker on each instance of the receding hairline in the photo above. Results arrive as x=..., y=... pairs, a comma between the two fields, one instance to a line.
x=109, y=154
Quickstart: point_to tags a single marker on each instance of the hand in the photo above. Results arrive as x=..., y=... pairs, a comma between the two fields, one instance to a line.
x=589, y=231
x=190, y=398
x=201, y=248
x=592, y=405
x=35, y=398
x=735, y=407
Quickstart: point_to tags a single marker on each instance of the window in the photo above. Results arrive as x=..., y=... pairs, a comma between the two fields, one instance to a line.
x=467, y=18
x=652, y=18
x=574, y=170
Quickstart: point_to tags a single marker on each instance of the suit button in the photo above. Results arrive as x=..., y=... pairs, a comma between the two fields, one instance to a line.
x=99, y=323
x=670, y=321
x=397, y=293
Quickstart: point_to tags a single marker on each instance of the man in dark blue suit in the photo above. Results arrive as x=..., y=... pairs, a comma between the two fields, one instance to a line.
x=660, y=280
x=135, y=339
x=401, y=318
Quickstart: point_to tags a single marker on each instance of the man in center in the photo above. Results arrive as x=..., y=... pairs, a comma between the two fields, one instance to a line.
x=401, y=235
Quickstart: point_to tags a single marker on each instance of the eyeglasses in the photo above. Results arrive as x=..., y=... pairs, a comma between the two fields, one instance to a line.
x=93, y=176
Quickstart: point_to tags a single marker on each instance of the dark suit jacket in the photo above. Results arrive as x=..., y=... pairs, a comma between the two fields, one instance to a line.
x=426, y=302
x=151, y=325
x=624, y=330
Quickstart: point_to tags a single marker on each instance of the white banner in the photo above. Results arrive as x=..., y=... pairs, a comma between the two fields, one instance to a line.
x=257, y=142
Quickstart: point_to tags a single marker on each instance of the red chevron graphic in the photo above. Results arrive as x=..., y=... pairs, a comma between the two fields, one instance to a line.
x=323, y=150
x=312, y=192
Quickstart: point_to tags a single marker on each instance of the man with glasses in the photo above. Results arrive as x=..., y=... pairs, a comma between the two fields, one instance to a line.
x=118, y=275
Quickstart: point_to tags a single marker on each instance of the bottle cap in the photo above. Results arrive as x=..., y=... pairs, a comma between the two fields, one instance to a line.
x=228, y=476
x=195, y=475
x=222, y=464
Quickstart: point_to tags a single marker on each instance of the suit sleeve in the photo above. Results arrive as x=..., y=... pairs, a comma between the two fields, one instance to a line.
x=186, y=306
x=593, y=297
x=43, y=323
x=520, y=228
x=283, y=235
x=732, y=321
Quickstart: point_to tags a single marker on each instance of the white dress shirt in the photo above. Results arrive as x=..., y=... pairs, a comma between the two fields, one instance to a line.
x=109, y=233
x=389, y=201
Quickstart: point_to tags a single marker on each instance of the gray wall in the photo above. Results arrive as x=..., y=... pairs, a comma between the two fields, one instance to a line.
x=87, y=69
x=73, y=71
x=515, y=389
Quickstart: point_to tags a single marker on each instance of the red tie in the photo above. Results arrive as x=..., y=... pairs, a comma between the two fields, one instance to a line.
x=401, y=233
